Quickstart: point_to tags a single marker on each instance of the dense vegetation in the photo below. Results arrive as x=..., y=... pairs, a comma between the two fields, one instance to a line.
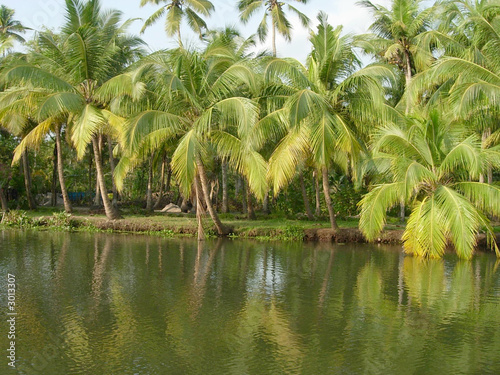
x=87, y=112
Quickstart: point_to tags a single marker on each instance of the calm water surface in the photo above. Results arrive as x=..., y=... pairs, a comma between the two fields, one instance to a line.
x=109, y=304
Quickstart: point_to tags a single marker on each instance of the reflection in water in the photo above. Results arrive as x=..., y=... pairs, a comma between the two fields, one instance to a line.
x=107, y=304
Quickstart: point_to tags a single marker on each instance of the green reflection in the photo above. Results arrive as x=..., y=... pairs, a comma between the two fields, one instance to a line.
x=108, y=304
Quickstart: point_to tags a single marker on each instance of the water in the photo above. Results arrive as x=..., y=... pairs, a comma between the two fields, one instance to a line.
x=116, y=304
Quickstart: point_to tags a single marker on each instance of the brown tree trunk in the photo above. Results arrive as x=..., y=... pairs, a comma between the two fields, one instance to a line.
x=97, y=199
x=3, y=200
x=225, y=195
x=221, y=228
x=328, y=200
x=53, y=198
x=305, y=197
x=60, y=170
x=90, y=178
x=112, y=166
x=149, y=190
x=250, y=209
x=27, y=181
x=162, y=183
x=199, y=209
x=111, y=212
x=318, y=197
x=265, y=203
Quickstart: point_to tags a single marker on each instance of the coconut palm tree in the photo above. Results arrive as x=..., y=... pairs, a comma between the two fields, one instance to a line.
x=92, y=51
x=467, y=77
x=316, y=107
x=9, y=27
x=434, y=166
x=176, y=11
x=193, y=99
x=274, y=10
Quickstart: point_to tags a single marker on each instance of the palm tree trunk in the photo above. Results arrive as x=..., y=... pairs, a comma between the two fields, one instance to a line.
x=225, y=195
x=111, y=212
x=221, y=229
x=199, y=209
x=112, y=166
x=250, y=209
x=265, y=203
x=60, y=171
x=328, y=200
x=305, y=197
x=53, y=190
x=97, y=199
x=27, y=181
x=162, y=182
x=274, y=38
x=318, y=197
x=179, y=37
x=149, y=191
x=3, y=200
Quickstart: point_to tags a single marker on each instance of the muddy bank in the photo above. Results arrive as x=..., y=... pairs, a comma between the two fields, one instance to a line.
x=348, y=235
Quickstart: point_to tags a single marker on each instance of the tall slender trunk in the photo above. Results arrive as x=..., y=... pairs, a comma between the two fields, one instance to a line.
x=328, y=200
x=305, y=197
x=243, y=195
x=60, y=170
x=97, y=199
x=111, y=212
x=250, y=209
x=179, y=38
x=318, y=197
x=199, y=209
x=3, y=200
x=53, y=198
x=408, y=76
x=225, y=195
x=90, y=178
x=112, y=166
x=27, y=181
x=149, y=190
x=265, y=203
x=274, y=38
x=162, y=182
x=221, y=228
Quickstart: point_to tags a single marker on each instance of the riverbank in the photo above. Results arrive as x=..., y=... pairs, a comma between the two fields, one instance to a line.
x=264, y=228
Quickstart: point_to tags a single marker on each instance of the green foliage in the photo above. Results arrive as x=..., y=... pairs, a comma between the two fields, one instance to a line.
x=17, y=219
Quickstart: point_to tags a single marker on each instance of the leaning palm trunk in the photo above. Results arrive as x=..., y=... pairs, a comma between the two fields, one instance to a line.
x=199, y=209
x=27, y=181
x=111, y=212
x=112, y=166
x=225, y=195
x=60, y=171
x=97, y=199
x=221, y=229
x=328, y=200
x=305, y=197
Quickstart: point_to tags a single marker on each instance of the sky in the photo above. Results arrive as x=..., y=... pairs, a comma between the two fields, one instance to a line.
x=355, y=19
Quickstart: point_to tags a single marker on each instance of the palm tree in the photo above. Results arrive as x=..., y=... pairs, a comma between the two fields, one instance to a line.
x=395, y=35
x=433, y=168
x=92, y=51
x=316, y=107
x=10, y=28
x=273, y=9
x=175, y=11
x=193, y=100
x=467, y=78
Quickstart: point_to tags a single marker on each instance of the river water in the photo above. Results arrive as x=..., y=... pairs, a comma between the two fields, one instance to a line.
x=122, y=304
